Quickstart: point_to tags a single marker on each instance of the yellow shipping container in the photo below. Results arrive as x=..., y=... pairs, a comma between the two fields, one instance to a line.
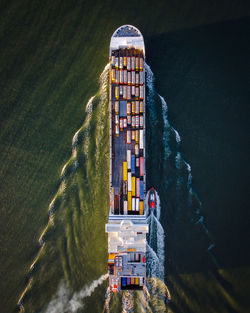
x=129, y=201
x=141, y=207
x=136, y=281
x=125, y=171
x=133, y=186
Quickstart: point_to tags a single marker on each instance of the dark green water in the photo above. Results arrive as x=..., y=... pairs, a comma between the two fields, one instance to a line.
x=52, y=55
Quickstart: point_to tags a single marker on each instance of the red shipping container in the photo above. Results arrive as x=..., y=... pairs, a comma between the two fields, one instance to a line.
x=141, y=166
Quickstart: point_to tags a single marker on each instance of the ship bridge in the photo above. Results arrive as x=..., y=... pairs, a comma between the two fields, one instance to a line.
x=127, y=36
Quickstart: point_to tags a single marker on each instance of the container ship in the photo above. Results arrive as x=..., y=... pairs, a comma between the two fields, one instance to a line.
x=127, y=226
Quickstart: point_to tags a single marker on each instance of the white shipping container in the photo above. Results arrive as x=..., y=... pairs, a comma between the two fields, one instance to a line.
x=133, y=63
x=136, y=63
x=117, y=77
x=121, y=123
x=120, y=88
x=141, y=106
x=125, y=76
x=117, y=107
x=137, y=78
x=124, y=92
x=137, y=206
x=141, y=139
x=116, y=62
x=113, y=60
x=141, y=78
x=133, y=204
x=128, y=92
x=125, y=207
x=121, y=76
x=136, y=107
x=129, y=159
x=129, y=182
x=133, y=78
x=128, y=108
x=117, y=130
x=141, y=281
x=136, y=150
x=133, y=135
x=128, y=63
x=124, y=123
x=141, y=121
x=137, y=121
x=137, y=162
x=141, y=92
x=133, y=90
x=121, y=62
x=129, y=78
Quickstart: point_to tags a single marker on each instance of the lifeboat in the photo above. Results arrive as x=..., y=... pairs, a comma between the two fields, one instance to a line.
x=152, y=198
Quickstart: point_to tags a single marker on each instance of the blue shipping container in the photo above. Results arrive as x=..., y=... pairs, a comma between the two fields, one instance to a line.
x=124, y=281
x=133, y=164
x=141, y=190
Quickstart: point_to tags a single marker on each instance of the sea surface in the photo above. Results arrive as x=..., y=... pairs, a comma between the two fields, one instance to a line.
x=54, y=153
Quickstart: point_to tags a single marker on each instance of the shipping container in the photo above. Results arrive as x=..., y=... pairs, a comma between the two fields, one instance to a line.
x=137, y=80
x=141, y=63
x=136, y=107
x=124, y=281
x=128, y=137
x=133, y=204
x=141, y=121
x=129, y=119
x=141, y=92
x=141, y=190
x=124, y=123
x=140, y=281
x=137, y=136
x=137, y=189
x=133, y=163
x=133, y=107
x=121, y=63
x=128, y=92
x=136, y=63
x=121, y=124
x=128, y=107
x=117, y=130
x=133, y=135
x=133, y=122
x=137, y=92
x=137, y=162
x=136, y=150
x=141, y=78
x=129, y=201
x=124, y=92
x=137, y=204
x=141, y=166
x=128, y=281
x=141, y=139
x=137, y=122
x=125, y=187
x=132, y=281
x=129, y=159
x=116, y=119
x=116, y=62
x=129, y=181
x=117, y=92
x=132, y=90
x=121, y=76
x=113, y=75
x=120, y=90
x=117, y=107
x=141, y=106
x=125, y=171
x=133, y=186
x=133, y=78
x=132, y=63
x=125, y=60
x=125, y=77
x=113, y=60
x=128, y=63
x=125, y=207
x=129, y=78
x=141, y=208
x=136, y=281
x=117, y=76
